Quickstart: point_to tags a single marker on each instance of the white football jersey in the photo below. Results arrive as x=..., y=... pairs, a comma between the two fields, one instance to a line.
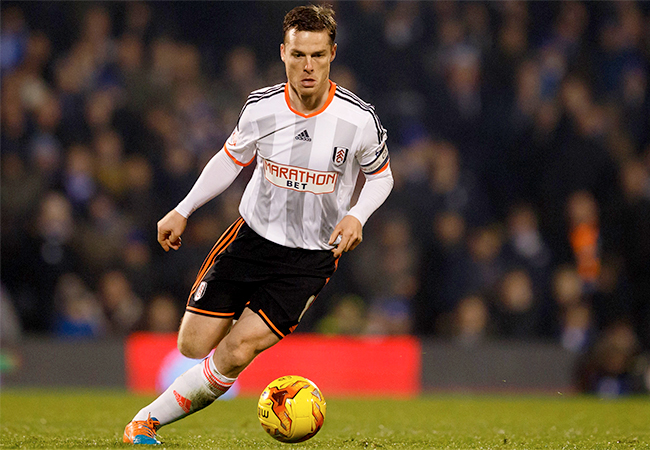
x=307, y=165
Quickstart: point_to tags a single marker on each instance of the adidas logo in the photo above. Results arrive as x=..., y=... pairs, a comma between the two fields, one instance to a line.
x=183, y=402
x=303, y=136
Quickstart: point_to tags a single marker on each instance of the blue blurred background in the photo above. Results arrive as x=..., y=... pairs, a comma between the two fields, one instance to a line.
x=519, y=135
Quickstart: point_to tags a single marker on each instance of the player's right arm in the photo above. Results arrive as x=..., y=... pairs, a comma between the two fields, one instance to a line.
x=215, y=178
x=218, y=174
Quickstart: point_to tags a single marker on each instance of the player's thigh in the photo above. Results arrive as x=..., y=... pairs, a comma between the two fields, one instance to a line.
x=199, y=334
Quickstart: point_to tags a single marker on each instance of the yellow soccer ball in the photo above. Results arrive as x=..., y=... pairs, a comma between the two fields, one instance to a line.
x=291, y=409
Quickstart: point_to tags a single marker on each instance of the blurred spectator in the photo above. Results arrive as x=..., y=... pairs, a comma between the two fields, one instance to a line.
x=577, y=328
x=390, y=316
x=138, y=264
x=40, y=253
x=394, y=265
x=525, y=246
x=163, y=315
x=122, y=306
x=608, y=370
x=487, y=262
x=100, y=239
x=446, y=187
x=13, y=38
x=109, y=152
x=635, y=242
x=585, y=237
x=79, y=313
x=567, y=286
x=140, y=199
x=444, y=277
x=20, y=191
x=471, y=320
x=347, y=316
x=10, y=329
x=612, y=300
x=516, y=308
x=79, y=177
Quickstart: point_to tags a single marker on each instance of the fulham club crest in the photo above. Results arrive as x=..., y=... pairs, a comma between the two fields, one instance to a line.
x=339, y=156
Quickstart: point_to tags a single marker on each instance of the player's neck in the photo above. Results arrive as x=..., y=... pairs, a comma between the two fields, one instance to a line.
x=307, y=104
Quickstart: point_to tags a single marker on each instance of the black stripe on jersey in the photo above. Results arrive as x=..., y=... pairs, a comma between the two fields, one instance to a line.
x=264, y=92
x=349, y=97
x=362, y=104
x=256, y=96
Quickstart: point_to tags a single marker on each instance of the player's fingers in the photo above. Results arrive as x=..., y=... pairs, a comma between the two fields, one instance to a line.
x=335, y=234
x=162, y=240
x=355, y=243
x=175, y=243
x=342, y=247
x=164, y=245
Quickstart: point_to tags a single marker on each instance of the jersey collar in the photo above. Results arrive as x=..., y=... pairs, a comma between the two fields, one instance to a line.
x=330, y=97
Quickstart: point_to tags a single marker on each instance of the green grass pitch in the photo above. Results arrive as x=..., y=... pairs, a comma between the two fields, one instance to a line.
x=95, y=419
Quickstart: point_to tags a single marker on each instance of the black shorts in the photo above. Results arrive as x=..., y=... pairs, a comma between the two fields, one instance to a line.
x=245, y=270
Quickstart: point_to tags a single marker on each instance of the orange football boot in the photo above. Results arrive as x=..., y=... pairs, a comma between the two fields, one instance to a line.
x=142, y=431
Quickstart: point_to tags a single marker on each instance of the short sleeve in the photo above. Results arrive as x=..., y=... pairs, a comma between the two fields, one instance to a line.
x=373, y=152
x=241, y=145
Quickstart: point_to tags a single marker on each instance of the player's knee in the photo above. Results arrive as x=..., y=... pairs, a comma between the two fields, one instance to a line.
x=190, y=349
x=240, y=352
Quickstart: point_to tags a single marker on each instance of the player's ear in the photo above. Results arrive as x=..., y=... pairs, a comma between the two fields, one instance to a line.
x=282, y=51
x=334, y=47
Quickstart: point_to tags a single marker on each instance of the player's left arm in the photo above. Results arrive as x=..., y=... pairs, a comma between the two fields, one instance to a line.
x=374, y=192
x=375, y=165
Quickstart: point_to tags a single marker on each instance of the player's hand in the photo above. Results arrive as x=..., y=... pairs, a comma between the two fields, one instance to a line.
x=170, y=229
x=350, y=230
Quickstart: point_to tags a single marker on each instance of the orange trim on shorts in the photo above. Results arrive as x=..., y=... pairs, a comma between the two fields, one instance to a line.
x=211, y=253
x=224, y=241
x=269, y=323
x=210, y=313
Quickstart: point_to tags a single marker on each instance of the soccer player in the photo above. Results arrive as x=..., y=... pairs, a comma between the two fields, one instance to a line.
x=309, y=138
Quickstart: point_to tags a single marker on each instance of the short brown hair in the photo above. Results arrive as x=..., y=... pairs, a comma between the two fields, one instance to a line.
x=310, y=18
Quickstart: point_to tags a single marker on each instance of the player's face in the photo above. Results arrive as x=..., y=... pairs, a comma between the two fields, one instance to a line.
x=307, y=56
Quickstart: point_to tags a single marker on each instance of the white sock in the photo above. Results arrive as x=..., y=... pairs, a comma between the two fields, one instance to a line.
x=190, y=392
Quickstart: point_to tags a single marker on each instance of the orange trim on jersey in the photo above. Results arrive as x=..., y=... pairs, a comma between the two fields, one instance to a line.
x=210, y=313
x=269, y=323
x=330, y=97
x=235, y=160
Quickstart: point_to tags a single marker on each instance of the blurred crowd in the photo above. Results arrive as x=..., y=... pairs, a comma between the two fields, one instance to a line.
x=520, y=143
